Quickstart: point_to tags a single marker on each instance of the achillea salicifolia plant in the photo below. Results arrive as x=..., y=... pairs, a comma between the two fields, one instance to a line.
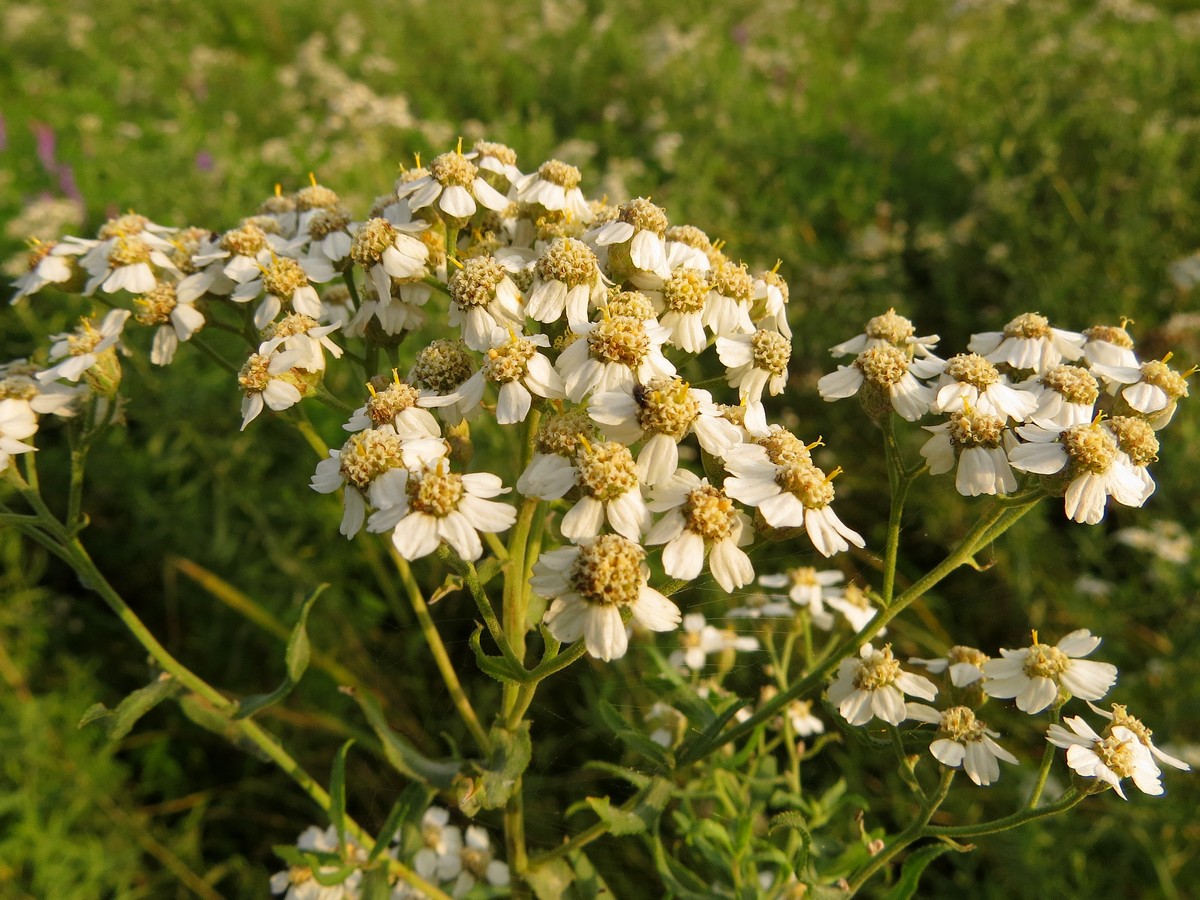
x=626, y=363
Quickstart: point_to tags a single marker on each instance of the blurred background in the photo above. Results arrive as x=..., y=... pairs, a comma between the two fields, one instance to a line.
x=961, y=161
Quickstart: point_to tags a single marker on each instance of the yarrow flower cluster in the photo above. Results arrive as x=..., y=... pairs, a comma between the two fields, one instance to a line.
x=1076, y=408
x=562, y=408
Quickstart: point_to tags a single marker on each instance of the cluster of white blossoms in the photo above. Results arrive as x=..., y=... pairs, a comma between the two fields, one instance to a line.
x=1039, y=677
x=1078, y=409
x=447, y=856
x=577, y=323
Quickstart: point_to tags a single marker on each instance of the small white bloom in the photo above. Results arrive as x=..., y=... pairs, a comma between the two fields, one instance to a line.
x=888, y=371
x=699, y=640
x=590, y=584
x=855, y=605
x=1038, y=676
x=1066, y=395
x=426, y=506
x=965, y=665
x=800, y=717
x=613, y=354
x=700, y=518
x=969, y=378
x=874, y=685
x=975, y=442
x=17, y=422
x=1110, y=759
x=963, y=742
x=891, y=329
x=1152, y=389
x=1028, y=342
x=81, y=350
x=566, y=280
x=454, y=188
x=1109, y=345
x=808, y=589
x=1119, y=717
x=555, y=187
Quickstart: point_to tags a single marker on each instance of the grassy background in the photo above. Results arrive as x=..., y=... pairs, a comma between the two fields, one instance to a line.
x=964, y=162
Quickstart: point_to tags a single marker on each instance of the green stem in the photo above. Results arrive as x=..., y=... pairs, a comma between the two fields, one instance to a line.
x=470, y=577
x=1044, y=769
x=585, y=837
x=913, y=832
x=1069, y=799
x=989, y=527
x=900, y=482
x=440, y=657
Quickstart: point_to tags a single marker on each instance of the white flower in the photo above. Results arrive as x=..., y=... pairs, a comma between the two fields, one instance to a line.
x=890, y=329
x=429, y=504
x=17, y=422
x=135, y=263
x=272, y=378
x=1119, y=717
x=1169, y=541
x=566, y=279
x=478, y=864
x=613, y=354
x=634, y=240
x=1090, y=457
x=855, y=605
x=1109, y=345
x=727, y=304
x=755, y=362
x=700, y=518
x=401, y=310
x=286, y=282
x=1151, y=389
x=700, y=640
x=454, y=188
x=874, y=685
x=771, y=297
x=49, y=263
x=969, y=378
x=520, y=371
x=82, y=350
x=555, y=187
x=386, y=253
x=759, y=606
x=297, y=883
x=889, y=371
x=485, y=302
x=662, y=413
x=963, y=741
x=590, y=584
x=680, y=302
x=177, y=320
x=808, y=589
x=367, y=464
x=440, y=859
x=801, y=718
x=790, y=494
x=965, y=665
x=1028, y=342
x=1038, y=675
x=1119, y=755
x=300, y=332
x=609, y=487
x=1066, y=395
x=975, y=441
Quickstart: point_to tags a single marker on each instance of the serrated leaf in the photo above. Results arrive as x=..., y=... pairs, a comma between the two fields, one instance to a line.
x=409, y=808
x=910, y=873
x=337, y=792
x=120, y=721
x=296, y=658
x=405, y=758
x=790, y=819
x=619, y=821
x=496, y=667
x=498, y=779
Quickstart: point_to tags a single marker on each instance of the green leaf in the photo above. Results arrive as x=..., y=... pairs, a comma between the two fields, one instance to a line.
x=619, y=822
x=298, y=647
x=405, y=758
x=790, y=819
x=120, y=721
x=409, y=808
x=910, y=873
x=329, y=878
x=337, y=792
x=550, y=880
x=498, y=778
x=495, y=666
x=375, y=885
x=203, y=714
x=298, y=652
x=632, y=738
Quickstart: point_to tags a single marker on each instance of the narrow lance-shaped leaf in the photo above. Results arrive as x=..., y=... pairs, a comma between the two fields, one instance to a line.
x=337, y=792
x=120, y=721
x=299, y=650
